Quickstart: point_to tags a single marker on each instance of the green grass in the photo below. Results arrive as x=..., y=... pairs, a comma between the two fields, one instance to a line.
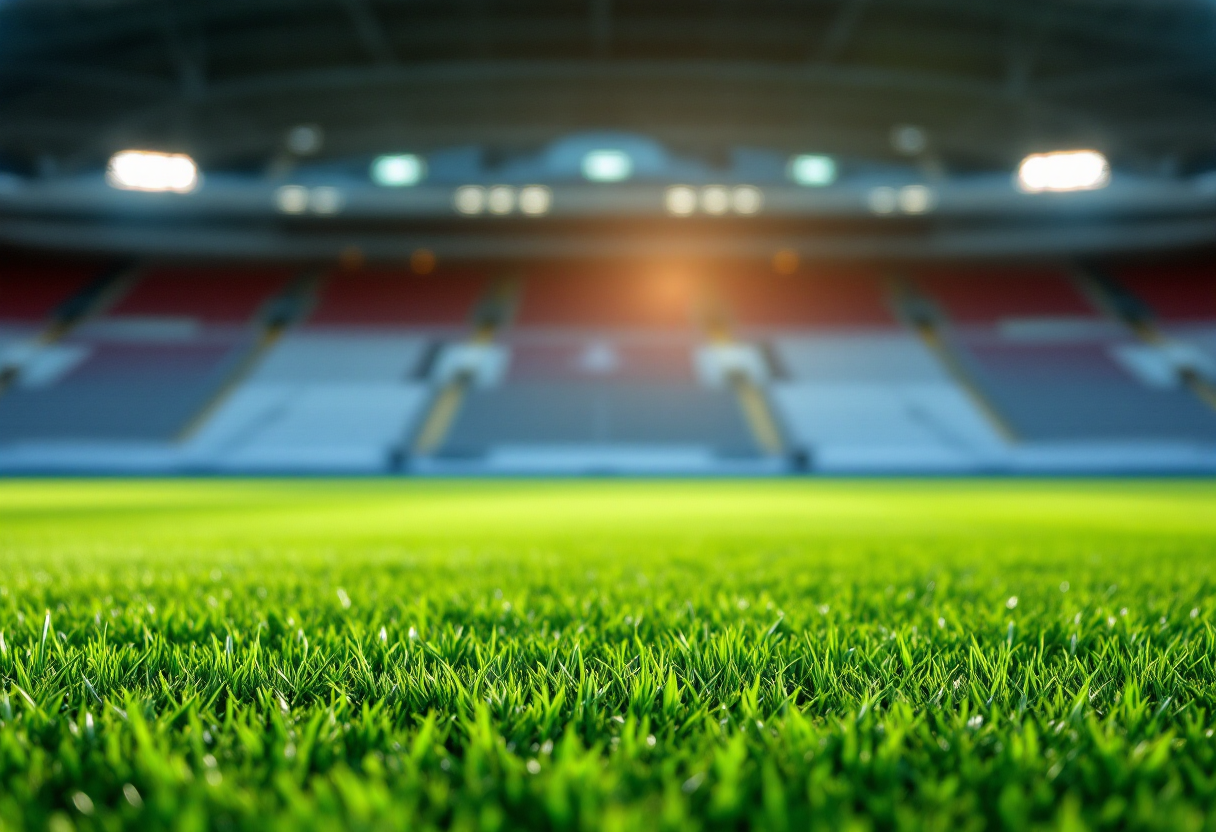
x=776, y=655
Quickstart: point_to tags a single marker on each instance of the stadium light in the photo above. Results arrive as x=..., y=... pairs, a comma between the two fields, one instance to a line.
x=398, y=170
x=715, y=200
x=1065, y=170
x=534, y=200
x=680, y=200
x=813, y=171
x=470, y=199
x=149, y=170
x=747, y=199
x=607, y=165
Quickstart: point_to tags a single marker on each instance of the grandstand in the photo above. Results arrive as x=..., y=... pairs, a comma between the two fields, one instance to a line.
x=576, y=366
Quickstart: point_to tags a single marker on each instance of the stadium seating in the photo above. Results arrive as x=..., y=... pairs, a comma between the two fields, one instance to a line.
x=1049, y=363
x=577, y=368
x=601, y=374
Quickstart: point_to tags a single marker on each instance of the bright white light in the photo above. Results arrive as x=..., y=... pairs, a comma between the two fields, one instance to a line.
x=883, y=200
x=915, y=199
x=398, y=171
x=292, y=199
x=680, y=200
x=147, y=170
x=500, y=199
x=813, y=171
x=715, y=199
x=470, y=199
x=1066, y=170
x=747, y=199
x=607, y=165
x=535, y=200
x=325, y=200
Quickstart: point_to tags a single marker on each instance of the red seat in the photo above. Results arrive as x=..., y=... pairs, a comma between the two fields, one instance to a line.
x=213, y=295
x=1175, y=293
x=387, y=297
x=838, y=298
x=30, y=292
x=986, y=296
x=607, y=298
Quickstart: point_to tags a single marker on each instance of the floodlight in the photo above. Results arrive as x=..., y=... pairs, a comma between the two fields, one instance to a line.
x=398, y=170
x=500, y=199
x=1064, y=170
x=915, y=199
x=883, y=200
x=747, y=199
x=470, y=199
x=607, y=165
x=715, y=199
x=535, y=200
x=148, y=170
x=292, y=199
x=680, y=200
x=812, y=170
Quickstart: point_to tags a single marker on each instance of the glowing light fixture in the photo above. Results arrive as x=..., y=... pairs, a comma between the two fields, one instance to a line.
x=916, y=199
x=747, y=199
x=607, y=165
x=1065, y=170
x=812, y=170
x=715, y=199
x=680, y=200
x=398, y=171
x=534, y=200
x=292, y=199
x=500, y=199
x=883, y=200
x=470, y=199
x=148, y=170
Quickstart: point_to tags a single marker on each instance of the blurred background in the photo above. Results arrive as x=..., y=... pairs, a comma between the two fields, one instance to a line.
x=607, y=236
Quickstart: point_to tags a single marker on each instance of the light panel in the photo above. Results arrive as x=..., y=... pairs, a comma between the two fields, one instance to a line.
x=607, y=166
x=149, y=170
x=1065, y=170
x=398, y=170
x=813, y=170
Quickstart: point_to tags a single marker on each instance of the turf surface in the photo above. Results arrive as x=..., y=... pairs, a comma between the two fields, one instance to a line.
x=607, y=655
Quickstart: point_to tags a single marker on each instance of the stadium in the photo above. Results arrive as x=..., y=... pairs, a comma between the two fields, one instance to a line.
x=795, y=414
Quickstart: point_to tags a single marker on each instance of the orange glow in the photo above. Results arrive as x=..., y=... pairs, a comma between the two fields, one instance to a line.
x=785, y=261
x=422, y=261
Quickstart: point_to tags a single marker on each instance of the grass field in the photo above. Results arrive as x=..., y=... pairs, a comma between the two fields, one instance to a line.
x=779, y=655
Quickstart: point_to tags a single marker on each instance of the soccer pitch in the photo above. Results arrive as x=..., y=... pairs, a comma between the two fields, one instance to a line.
x=781, y=655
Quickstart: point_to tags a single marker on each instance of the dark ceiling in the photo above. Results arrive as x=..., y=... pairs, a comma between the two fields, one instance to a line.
x=988, y=79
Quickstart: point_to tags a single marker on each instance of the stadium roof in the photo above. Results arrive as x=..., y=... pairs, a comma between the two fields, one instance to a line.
x=983, y=82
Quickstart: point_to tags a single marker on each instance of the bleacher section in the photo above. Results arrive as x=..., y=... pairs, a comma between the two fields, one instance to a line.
x=601, y=377
x=855, y=389
x=345, y=389
x=577, y=368
x=1053, y=366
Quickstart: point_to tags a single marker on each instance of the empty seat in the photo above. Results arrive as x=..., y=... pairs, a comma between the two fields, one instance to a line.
x=1175, y=293
x=217, y=295
x=927, y=423
x=839, y=299
x=1080, y=391
x=320, y=357
x=604, y=357
x=121, y=391
x=624, y=414
x=857, y=357
x=30, y=292
x=398, y=298
x=606, y=299
x=348, y=426
x=989, y=296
